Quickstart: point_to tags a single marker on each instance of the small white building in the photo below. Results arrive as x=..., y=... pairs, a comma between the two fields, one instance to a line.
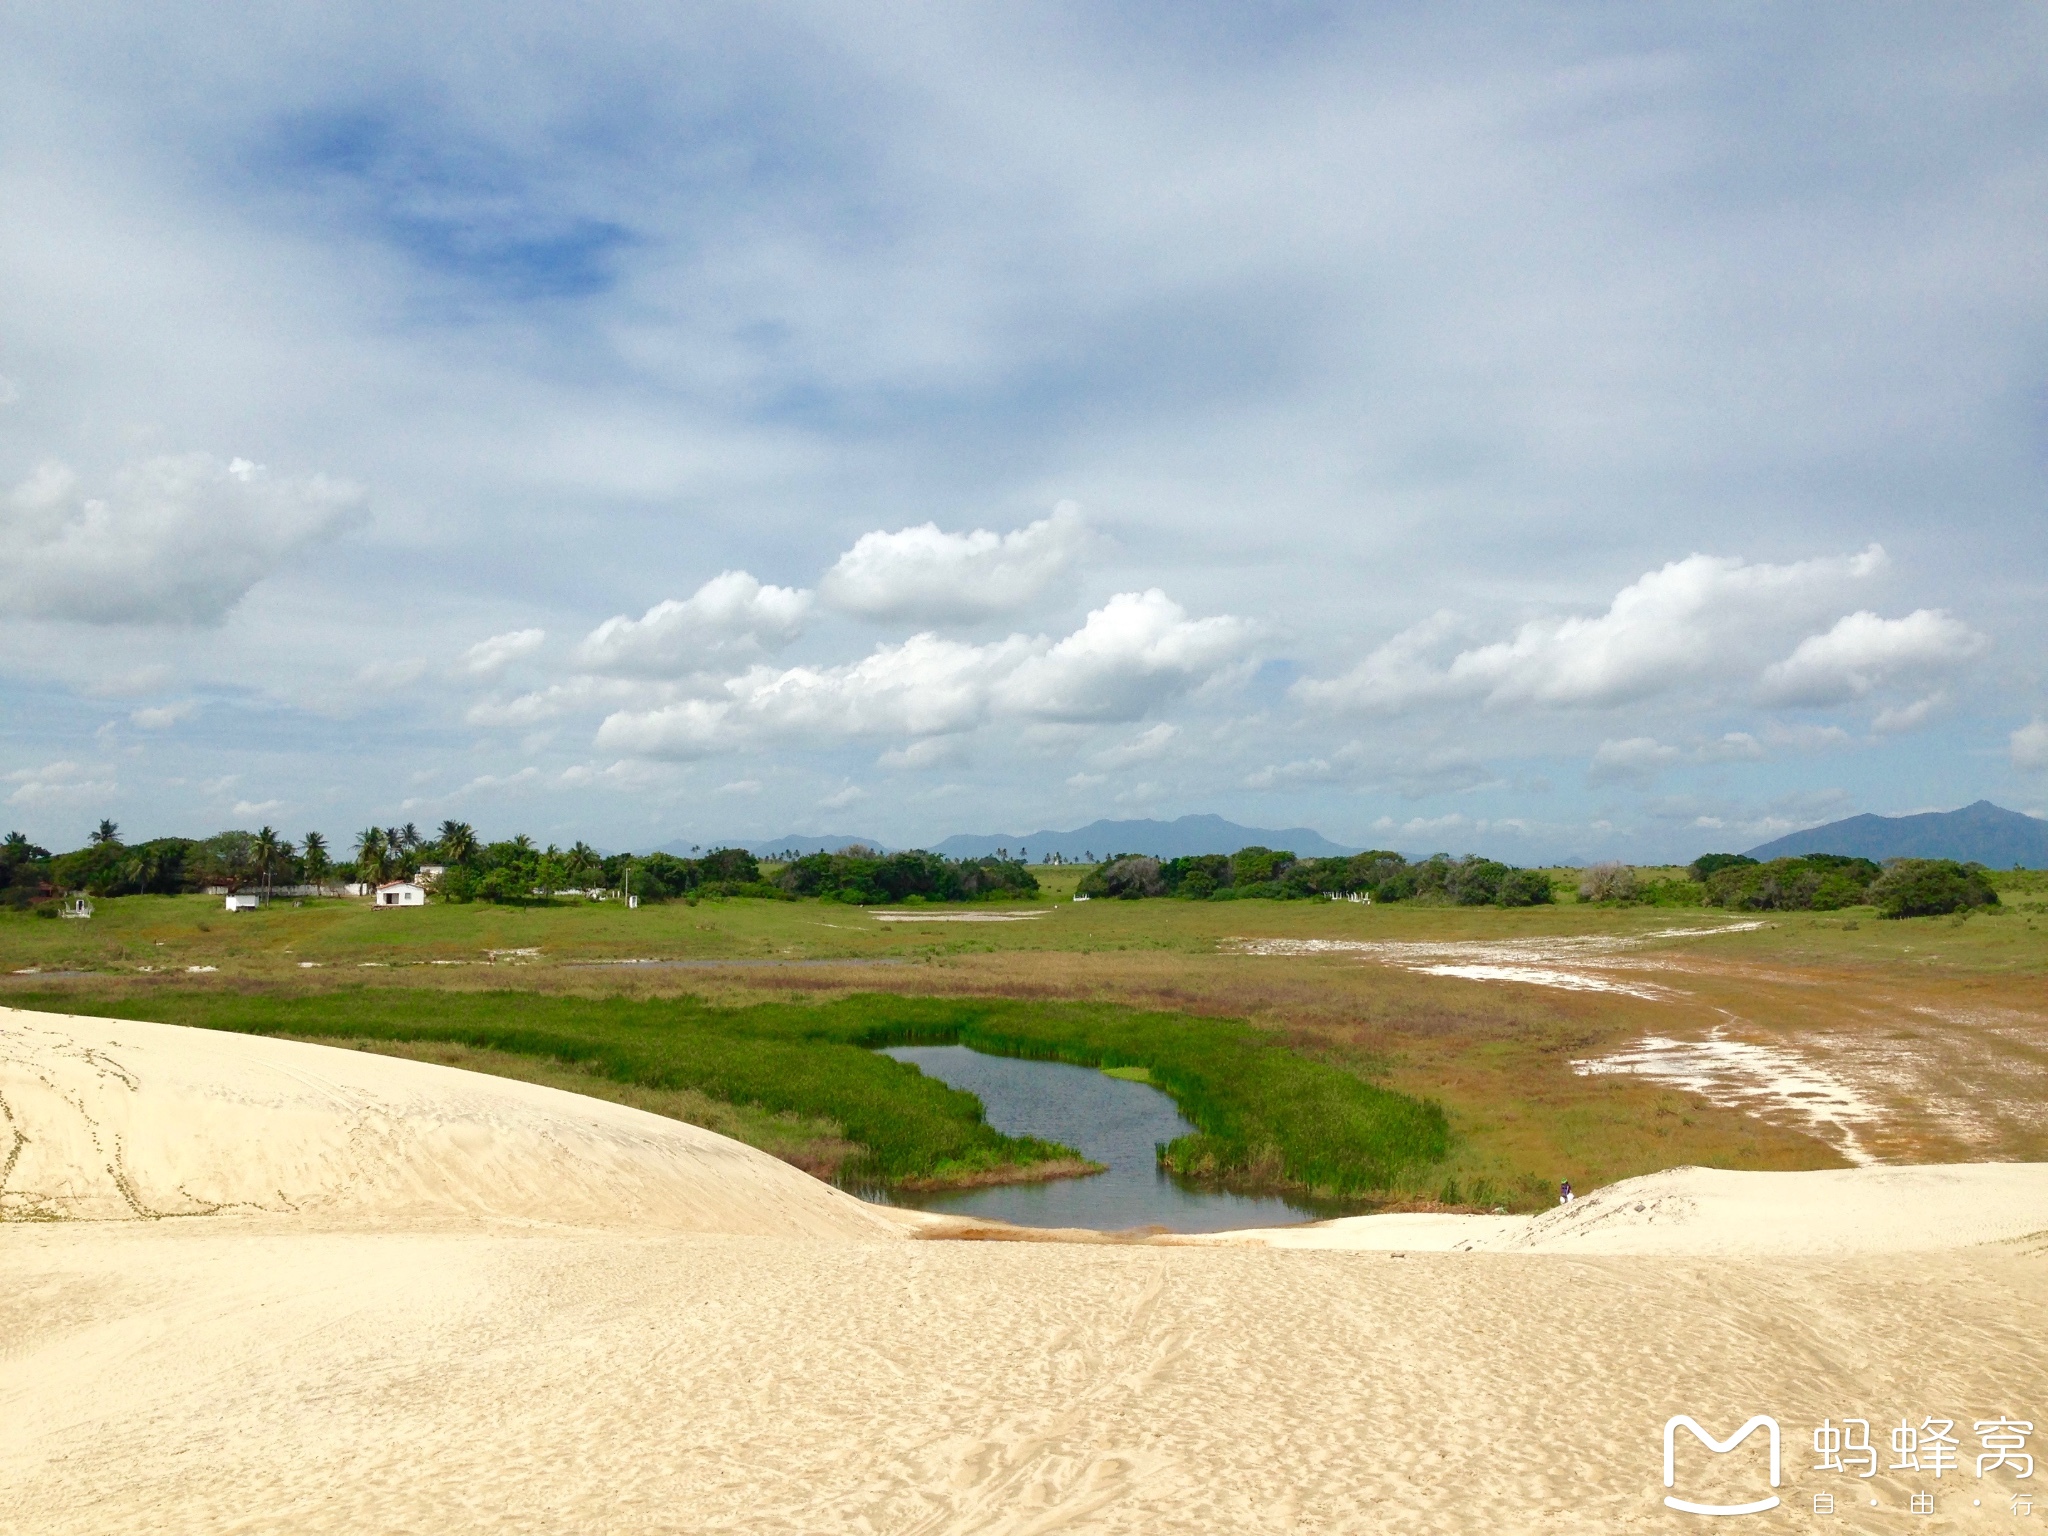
x=244, y=901
x=401, y=893
x=430, y=874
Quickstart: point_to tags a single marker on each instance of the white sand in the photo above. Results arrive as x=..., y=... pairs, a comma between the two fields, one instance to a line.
x=1745, y=1075
x=1575, y=963
x=1718, y=1213
x=410, y=1335
x=112, y=1119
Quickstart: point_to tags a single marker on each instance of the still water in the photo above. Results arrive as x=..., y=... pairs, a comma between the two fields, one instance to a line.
x=1108, y=1121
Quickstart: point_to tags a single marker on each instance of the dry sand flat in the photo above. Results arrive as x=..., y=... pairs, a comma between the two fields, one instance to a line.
x=464, y=1364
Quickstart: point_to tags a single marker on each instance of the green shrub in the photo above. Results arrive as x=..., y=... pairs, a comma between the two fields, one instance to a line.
x=1931, y=888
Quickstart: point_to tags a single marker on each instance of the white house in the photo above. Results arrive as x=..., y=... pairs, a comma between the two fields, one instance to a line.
x=401, y=893
x=430, y=874
x=244, y=901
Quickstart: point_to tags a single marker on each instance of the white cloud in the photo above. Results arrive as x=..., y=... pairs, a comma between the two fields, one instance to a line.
x=1863, y=651
x=1308, y=770
x=741, y=787
x=10, y=390
x=495, y=781
x=1636, y=760
x=63, y=783
x=1895, y=719
x=1141, y=748
x=927, y=576
x=731, y=614
x=2030, y=746
x=257, y=807
x=1132, y=654
x=555, y=700
x=1735, y=746
x=838, y=800
x=178, y=539
x=489, y=656
x=1696, y=621
x=163, y=716
x=930, y=752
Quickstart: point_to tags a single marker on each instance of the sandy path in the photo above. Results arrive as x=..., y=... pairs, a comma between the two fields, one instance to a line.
x=451, y=1367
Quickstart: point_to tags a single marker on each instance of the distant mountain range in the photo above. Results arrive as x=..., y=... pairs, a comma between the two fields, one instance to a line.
x=1983, y=833
x=1163, y=839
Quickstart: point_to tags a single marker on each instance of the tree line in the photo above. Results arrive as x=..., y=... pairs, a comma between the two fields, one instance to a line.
x=464, y=868
x=1277, y=875
x=1814, y=882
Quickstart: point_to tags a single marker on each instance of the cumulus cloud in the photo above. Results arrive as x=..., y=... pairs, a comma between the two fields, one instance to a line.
x=1132, y=654
x=2030, y=746
x=1696, y=621
x=924, y=575
x=178, y=539
x=731, y=614
x=489, y=656
x=1863, y=651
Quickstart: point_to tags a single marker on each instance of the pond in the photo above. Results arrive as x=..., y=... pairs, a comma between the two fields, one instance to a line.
x=1107, y=1120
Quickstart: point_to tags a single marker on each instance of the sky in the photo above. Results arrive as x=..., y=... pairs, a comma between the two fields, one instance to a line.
x=1551, y=432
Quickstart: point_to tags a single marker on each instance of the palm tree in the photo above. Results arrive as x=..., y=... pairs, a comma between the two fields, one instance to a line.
x=371, y=853
x=582, y=859
x=316, y=861
x=269, y=850
x=106, y=832
x=410, y=836
x=457, y=842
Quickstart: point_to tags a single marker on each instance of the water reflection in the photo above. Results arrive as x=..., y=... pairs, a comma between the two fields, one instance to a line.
x=1107, y=1120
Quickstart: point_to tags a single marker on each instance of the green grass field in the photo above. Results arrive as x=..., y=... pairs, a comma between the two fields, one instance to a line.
x=755, y=1017
x=153, y=935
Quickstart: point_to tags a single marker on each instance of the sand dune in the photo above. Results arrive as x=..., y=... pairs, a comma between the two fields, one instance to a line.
x=1719, y=1213
x=115, y=1119
x=473, y=1305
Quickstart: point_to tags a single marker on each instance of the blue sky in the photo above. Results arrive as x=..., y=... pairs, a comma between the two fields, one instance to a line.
x=1564, y=432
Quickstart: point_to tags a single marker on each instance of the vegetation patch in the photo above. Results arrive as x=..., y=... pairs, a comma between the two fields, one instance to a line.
x=1267, y=1117
x=1277, y=875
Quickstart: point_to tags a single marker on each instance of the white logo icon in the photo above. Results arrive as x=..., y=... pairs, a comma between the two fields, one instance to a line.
x=1761, y=1421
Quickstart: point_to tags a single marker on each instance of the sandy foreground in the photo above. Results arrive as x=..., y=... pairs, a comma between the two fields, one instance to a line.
x=256, y=1286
